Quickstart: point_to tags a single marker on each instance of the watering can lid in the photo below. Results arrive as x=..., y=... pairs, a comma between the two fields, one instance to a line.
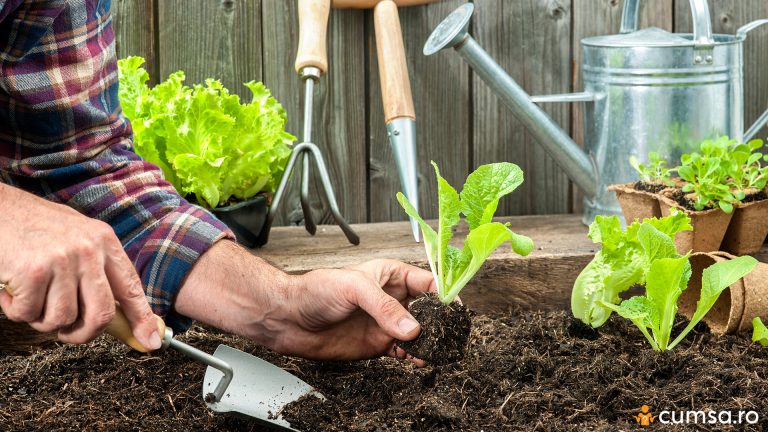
x=648, y=37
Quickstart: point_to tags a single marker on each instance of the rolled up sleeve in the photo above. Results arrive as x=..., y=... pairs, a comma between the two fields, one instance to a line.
x=63, y=137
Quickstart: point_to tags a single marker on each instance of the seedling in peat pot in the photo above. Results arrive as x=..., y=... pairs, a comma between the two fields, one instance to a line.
x=759, y=332
x=623, y=261
x=654, y=173
x=666, y=280
x=446, y=323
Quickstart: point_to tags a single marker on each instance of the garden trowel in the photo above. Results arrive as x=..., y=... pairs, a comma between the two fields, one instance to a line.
x=235, y=382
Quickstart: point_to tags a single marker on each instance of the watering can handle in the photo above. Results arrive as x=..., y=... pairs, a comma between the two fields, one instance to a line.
x=741, y=33
x=702, y=22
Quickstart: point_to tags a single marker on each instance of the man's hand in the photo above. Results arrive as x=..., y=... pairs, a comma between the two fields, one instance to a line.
x=352, y=313
x=66, y=271
x=345, y=314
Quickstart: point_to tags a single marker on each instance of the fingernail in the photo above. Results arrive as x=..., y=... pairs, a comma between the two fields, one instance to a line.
x=407, y=324
x=154, y=341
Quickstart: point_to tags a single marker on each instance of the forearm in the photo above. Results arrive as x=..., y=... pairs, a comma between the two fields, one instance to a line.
x=235, y=291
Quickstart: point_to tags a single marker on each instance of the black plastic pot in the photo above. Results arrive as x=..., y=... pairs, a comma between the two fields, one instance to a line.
x=248, y=220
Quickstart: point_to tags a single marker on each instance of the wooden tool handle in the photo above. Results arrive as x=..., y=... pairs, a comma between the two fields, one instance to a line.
x=313, y=28
x=368, y=4
x=393, y=71
x=121, y=329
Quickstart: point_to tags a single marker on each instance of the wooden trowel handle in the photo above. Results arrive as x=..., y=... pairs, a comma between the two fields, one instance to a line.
x=313, y=27
x=393, y=71
x=367, y=4
x=121, y=329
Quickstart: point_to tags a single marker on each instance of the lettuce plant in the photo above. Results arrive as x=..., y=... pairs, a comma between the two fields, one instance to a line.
x=623, y=261
x=654, y=313
x=206, y=142
x=706, y=176
x=745, y=170
x=759, y=332
x=452, y=267
x=655, y=171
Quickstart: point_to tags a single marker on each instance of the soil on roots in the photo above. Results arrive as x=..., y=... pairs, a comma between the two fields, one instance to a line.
x=444, y=330
x=531, y=371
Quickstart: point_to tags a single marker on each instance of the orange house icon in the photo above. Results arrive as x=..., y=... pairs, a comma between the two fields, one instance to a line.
x=645, y=418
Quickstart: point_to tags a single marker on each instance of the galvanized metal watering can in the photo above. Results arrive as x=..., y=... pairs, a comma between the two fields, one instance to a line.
x=645, y=90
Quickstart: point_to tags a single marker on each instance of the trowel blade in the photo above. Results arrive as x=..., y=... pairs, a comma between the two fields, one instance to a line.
x=258, y=389
x=402, y=140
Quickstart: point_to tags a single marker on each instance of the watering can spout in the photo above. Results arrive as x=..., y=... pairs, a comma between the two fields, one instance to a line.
x=453, y=33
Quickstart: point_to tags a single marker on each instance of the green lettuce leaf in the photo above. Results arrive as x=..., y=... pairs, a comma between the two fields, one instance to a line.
x=207, y=143
x=759, y=332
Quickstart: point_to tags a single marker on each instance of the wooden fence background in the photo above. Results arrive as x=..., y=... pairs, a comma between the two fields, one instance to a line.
x=461, y=124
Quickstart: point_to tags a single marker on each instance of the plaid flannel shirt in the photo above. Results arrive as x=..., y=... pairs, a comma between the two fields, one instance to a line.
x=63, y=137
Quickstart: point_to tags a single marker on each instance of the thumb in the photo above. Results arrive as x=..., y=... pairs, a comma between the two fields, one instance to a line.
x=389, y=314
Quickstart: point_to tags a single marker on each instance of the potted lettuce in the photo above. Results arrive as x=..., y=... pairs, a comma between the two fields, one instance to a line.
x=445, y=323
x=225, y=155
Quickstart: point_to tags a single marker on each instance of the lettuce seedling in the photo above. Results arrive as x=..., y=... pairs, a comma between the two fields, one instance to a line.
x=655, y=171
x=451, y=267
x=745, y=170
x=707, y=175
x=654, y=313
x=623, y=261
x=759, y=332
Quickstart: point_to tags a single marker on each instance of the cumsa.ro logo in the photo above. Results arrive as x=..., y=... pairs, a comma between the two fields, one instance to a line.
x=645, y=418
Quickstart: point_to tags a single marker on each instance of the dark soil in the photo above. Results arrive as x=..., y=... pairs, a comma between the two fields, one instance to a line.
x=754, y=196
x=444, y=331
x=650, y=187
x=685, y=201
x=534, y=371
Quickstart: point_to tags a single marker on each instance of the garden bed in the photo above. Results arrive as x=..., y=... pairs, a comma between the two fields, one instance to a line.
x=525, y=371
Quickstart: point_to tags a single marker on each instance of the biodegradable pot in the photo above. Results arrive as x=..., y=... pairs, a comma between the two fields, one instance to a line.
x=748, y=228
x=709, y=226
x=738, y=305
x=248, y=220
x=636, y=204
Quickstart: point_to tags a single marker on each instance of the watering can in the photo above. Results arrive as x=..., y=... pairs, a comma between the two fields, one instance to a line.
x=645, y=90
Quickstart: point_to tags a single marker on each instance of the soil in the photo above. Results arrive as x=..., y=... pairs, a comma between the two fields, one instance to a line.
x=531, y=371
x=444, y=331
x=650, y=187
x=685, y=201
x=754, y=196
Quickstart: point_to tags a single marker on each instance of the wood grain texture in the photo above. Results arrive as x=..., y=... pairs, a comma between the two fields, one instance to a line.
x=440, y=86
x=339, y=115
x=530, y=39
x=313, y=35
x=135, y=31
x=211, y=38
x=393, y=70
x=601, y=17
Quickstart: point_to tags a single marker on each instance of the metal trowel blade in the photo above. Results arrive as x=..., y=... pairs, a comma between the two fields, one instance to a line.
x=258, y=389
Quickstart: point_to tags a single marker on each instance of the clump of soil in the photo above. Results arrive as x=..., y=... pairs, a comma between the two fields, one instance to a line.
x=444, y=330
x=650, y=187
x=531, y=371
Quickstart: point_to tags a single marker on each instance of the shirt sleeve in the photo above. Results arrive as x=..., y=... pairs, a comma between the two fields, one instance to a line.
x=63, y=137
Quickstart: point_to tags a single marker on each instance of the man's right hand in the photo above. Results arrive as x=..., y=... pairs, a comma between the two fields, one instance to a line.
x=66, y=271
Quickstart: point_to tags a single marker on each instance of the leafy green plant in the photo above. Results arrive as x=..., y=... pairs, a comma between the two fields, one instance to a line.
x=745, y=171
x=451, y=267
x=623, y=261
x=655, y=171
x=707, y=175
x=759, y=332
x=206, y=142
x=654, y=313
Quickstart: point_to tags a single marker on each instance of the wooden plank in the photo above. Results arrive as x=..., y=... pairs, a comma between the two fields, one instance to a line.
x=134, y=25
x=531, y=40
x=541, y=281
x=211, y=39
x=594, y=18
x=562, y=250
x=339, y=106
x=728, y=17
x=441, y=98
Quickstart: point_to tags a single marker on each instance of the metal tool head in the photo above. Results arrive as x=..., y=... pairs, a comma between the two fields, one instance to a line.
x=402, y=140
x=451, y=31
x=258, y=389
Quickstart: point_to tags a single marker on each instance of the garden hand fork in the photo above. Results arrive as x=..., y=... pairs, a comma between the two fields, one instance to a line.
x=311, y=63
